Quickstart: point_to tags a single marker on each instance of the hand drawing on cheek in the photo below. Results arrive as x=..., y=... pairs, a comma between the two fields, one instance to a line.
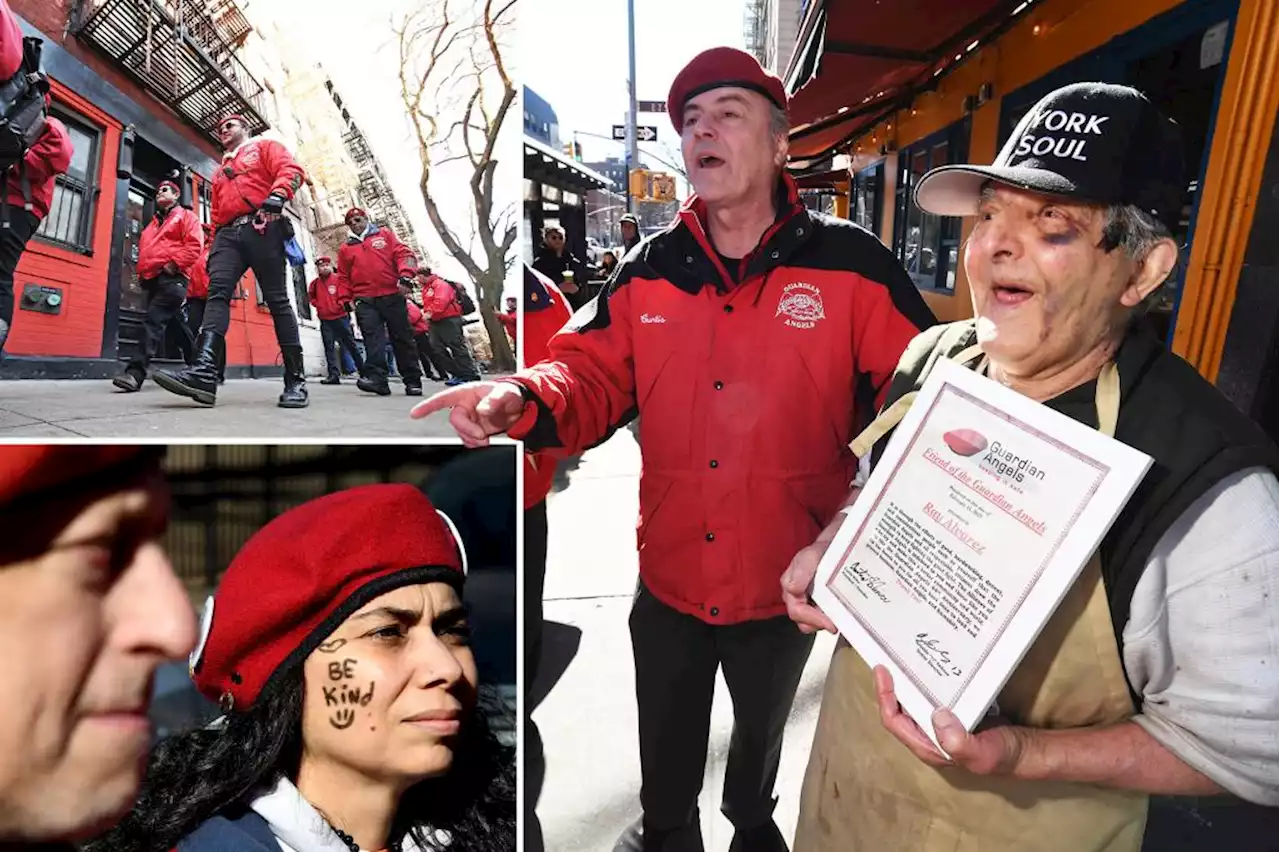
x=343, y=696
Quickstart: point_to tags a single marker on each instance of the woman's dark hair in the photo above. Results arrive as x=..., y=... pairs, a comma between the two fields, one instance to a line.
x=611, y=256
x=193, y=776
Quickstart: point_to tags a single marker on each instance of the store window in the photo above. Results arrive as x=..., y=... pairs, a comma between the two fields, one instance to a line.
x=928, y=245
x=866, y=204
x=70, y=220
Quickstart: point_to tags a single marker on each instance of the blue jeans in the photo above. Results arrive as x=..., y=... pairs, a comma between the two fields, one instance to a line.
x=337, y=333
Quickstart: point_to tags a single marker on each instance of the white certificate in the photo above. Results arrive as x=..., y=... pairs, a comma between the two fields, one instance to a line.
x=978, y=518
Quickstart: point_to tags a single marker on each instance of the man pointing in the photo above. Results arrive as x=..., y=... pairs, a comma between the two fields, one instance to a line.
x=742, y=464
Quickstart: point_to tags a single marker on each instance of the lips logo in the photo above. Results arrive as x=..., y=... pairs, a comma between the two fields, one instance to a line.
x=965, y=442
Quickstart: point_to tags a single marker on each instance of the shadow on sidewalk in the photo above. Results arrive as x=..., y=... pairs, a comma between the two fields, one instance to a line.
x=560, y=644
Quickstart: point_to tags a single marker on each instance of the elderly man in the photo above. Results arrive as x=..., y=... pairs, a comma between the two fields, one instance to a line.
x=89, y=608
x=1158, y=673
x=743, y=462
x=257, y=178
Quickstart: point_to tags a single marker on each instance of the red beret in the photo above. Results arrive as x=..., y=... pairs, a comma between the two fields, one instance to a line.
x=236, y=117
x=300, y=576
x=28, y=470
x=354, y=211
x=324, y=259
x=717, y=67
x=170, y=184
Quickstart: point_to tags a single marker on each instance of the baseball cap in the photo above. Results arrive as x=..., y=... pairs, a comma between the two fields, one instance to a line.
x=719, y=67
x=629, y=217
x=1095, y=142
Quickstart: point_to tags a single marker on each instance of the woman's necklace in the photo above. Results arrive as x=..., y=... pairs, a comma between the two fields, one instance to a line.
x=393, y=846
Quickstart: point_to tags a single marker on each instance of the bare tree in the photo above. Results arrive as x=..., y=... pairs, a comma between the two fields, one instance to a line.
x=457, y=92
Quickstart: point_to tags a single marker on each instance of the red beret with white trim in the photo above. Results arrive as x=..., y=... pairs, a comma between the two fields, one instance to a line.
x=717, y=68
x=303, y=574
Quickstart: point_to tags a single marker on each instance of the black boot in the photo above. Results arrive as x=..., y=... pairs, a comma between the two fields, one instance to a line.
x=295, y=378
x=200, y=380
x=380, y=387
x=641, y=837
x=762, y=838
x=130, y=379
x=331, y=380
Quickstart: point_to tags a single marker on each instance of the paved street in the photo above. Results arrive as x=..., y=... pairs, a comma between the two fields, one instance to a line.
x=588, y=721
x=246, y=408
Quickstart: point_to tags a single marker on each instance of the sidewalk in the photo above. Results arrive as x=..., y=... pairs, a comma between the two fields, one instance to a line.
x=246, y=408
x=588, y=721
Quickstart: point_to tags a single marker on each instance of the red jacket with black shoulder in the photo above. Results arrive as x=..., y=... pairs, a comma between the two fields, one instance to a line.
x=545, y=312
x=247, y=176
x=748, y=394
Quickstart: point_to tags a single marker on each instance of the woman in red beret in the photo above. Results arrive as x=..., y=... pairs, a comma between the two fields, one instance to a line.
x=338, y=649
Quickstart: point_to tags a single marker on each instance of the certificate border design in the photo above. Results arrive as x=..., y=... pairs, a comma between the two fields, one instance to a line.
x=908, y=669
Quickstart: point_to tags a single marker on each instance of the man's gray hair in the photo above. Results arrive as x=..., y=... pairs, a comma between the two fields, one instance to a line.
x=1136, y=231
x=779, y=122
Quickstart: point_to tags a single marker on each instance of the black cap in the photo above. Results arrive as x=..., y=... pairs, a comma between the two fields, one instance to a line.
x=1096, y=142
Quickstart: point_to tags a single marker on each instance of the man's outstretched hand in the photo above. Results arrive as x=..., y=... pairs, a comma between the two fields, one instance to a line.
x=480, y=409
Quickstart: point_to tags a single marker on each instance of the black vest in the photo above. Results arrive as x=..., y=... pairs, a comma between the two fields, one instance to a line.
x=1195, y=435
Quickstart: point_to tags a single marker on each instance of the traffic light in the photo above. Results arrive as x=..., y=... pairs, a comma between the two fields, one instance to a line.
x=639, y=184
x=664, y=187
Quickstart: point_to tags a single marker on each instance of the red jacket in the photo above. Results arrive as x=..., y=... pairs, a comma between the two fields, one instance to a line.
x=258, y=168
x=417, y=318
x=375, y=265
x=329, y=295
x=177, y=237
x=509, y=324
x=748, y=394
x=439, y=299
x=10, y=43
x=545, y=313
x=198, y=286
x=48, y=158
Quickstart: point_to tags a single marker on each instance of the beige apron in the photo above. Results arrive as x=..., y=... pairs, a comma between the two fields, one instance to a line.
x=865, y=792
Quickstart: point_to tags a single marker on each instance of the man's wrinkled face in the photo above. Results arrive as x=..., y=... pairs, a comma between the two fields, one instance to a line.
x=84, y=623
x=1045, y=291
x=730, y=151
x=358, y=223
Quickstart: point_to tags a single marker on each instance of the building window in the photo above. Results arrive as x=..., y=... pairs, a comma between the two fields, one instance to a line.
x=70, y=220
x=867, y=203
x=928, y=245
x=300, y=291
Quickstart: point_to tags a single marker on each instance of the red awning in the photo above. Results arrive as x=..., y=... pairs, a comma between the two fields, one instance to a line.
x=869, y=57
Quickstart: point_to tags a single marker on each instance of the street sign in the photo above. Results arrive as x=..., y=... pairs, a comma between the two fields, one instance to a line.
x=651, y=106
x=644, y=133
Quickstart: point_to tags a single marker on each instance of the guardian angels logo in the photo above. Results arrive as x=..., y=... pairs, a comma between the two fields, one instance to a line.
x=379, y=243
x=801, y=304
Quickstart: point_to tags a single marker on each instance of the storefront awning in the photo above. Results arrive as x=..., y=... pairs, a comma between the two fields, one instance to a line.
x=857, y=61
x=548, y=166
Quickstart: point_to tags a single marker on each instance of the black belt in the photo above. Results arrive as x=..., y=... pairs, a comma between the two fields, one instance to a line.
x=239, y=220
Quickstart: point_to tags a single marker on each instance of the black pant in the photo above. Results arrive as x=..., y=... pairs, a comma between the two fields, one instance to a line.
x=237, y=249
x=447, y=337
x=195, y=315
x=336, y=333
x=430, y=359
x=377, y=316
x=676, y=659
x=13, y=241
x=535, y=572
x=165, y=295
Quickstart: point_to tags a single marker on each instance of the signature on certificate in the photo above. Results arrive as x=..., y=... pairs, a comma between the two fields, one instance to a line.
x=938, y=658
x=870, y=583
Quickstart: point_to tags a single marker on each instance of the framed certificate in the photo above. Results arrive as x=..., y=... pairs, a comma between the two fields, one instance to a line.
x=975, y=523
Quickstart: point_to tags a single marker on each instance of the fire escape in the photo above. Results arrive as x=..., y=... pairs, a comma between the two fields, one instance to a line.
x=755, y=29
x=182, y=51
x=375, y=191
